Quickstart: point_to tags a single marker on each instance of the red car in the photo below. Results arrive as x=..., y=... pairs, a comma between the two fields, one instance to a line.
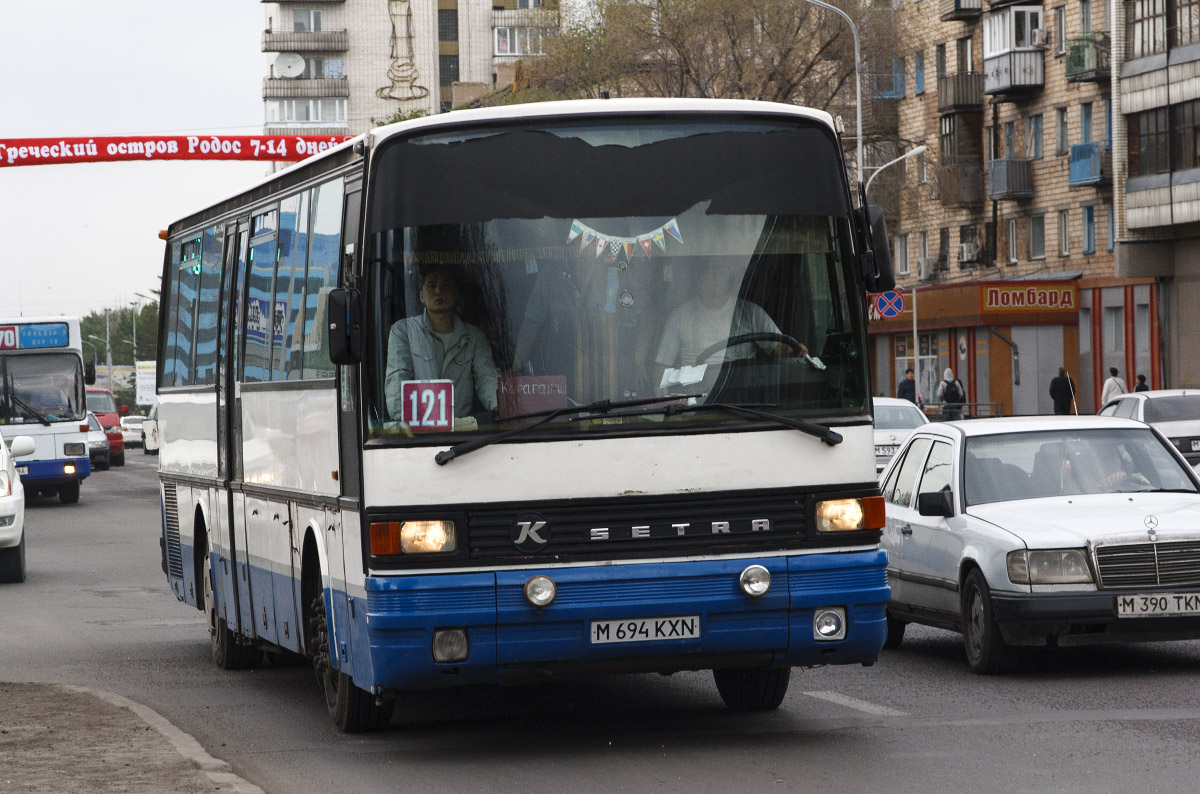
x=102, y=403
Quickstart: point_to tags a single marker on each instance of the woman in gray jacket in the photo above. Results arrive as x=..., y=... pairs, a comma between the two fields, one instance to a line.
x=438, y=345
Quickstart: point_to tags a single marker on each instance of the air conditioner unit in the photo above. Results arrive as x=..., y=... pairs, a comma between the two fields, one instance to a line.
x=926, y=268
x=968, y=252
x=1041, y=37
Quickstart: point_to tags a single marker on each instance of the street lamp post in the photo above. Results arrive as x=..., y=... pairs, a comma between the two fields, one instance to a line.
x=910, y=153
x=107, y=351
x=858, y=130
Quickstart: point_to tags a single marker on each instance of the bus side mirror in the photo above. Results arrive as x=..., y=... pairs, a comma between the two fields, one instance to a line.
x=876, y=259
x=345, y=326
x=89, y=373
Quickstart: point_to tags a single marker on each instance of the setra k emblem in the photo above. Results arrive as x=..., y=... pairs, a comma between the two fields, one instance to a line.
x=530, y=532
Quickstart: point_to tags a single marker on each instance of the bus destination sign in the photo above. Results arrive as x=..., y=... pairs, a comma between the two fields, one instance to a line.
x=33, y=336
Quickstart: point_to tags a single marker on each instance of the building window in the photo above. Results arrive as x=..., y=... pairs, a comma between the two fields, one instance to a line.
x=1145, y=28
x=946, y=139
x=319, y=68
x=306, y=111
x=1185, y=129
x=1112, y=227
x=1089, y=230
x=901, y=255
x=965, y=51
x=447, y=24
x=1064, y=233
x=1060, y=30
x=1010, y=28
x=939, y=60
x=1037, y=237
x=1186, y=16
x=1010, y=140
x=1033, y=137
x=944, y=249
x=306, y=20
x=528, y=41
x=1114, y=329
x=529, y=3
x=1012, y=241
x=1085, y=16
x=919, y=71
x=1085, y=122
x=447, y=69
x=1062, y=142
x=924, y=249
x=1148, y=143
x=922, y=169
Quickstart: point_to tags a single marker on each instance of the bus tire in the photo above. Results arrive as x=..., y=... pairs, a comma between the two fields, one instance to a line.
x=69, y=494
x=352, y=709
x=753, y=688
x=12, y=563
x=227, y=652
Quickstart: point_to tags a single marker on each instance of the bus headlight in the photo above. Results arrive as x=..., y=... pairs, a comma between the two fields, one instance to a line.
x=849, y=515
x=74, y=450
x=389, y=538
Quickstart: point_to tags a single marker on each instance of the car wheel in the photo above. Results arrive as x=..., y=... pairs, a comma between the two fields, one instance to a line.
x=12, y=563
x=895, y=632
x=119, y=460
x=986, y=650
x=753, y=688
x=69, y=494
x=352, y=709
x=227, y=652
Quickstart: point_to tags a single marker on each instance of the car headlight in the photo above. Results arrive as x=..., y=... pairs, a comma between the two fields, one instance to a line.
x=96, y=444
x=389, y=538
x=1048, y=566
x=849, y=515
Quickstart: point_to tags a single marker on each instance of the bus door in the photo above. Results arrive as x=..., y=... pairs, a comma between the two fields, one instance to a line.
x=229, y=432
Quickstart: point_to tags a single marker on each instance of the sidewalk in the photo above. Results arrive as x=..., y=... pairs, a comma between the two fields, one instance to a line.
x=58, y=739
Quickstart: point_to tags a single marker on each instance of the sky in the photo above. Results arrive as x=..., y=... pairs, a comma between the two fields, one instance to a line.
x=81, y=238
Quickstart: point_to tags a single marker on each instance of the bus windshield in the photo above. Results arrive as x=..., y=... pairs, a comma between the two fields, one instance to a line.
x=39, y=388
x=518, y=270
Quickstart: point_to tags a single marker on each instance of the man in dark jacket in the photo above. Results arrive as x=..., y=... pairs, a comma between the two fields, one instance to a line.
x=1062, y=391
x=907, y=388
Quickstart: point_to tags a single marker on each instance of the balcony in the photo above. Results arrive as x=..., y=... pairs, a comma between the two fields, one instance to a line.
x=959, y=92
x=1014, y=71
x=291, y=88
x=960, y=185
x=1010, y=179
x=960, y=9
x=1087, y=59
x=323, y=41
x=1090, y=164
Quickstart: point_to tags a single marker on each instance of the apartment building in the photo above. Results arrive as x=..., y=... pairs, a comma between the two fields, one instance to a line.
x=1009, y=226
x=333, y=65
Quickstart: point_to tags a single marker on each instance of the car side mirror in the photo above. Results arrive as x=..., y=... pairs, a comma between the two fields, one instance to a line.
x=938, y=503
x=22, y=446
x=124, y=409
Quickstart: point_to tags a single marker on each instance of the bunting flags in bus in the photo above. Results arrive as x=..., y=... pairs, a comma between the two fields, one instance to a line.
x=618, y=246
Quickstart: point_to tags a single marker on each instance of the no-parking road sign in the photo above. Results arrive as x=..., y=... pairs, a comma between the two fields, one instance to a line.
x=889, y=304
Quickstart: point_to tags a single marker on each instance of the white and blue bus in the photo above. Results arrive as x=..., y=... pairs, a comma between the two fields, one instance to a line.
x=42, y=381
x=539, y=390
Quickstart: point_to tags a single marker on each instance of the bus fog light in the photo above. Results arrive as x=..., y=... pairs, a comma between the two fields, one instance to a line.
x=755, y=581
x=69, y=468
x=540, y=591
x=829, y=623
x=450, y=645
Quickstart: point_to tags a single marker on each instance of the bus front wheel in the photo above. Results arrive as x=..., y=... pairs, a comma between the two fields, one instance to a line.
x=753, y=688
x=69, y=494
x=352, y=709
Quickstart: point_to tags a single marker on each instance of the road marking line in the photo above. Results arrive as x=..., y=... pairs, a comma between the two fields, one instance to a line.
x=856, y=704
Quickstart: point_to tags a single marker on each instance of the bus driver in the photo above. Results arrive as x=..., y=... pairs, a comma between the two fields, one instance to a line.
x=438, y=345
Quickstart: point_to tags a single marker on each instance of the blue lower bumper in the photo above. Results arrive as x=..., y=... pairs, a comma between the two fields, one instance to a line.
x=53, y=472
x=509, y=638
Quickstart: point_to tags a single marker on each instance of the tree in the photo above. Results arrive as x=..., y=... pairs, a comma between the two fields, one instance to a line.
x=777, y=50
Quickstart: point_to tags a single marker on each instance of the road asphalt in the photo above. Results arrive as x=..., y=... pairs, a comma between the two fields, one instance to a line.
x=57, y=739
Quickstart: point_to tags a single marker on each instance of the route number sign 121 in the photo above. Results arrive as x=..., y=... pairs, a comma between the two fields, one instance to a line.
x=428, y=404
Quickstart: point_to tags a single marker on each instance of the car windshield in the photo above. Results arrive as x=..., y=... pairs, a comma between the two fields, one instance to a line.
x=132, y=421
x=41, y=387
x=644, y=277
x=1017, y=466
x=1173, y=409
x=101, y=402
x=897, y=417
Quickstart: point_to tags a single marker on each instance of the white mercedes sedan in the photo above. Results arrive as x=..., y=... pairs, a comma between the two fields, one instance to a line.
x=1036, y=531
x=12, y=510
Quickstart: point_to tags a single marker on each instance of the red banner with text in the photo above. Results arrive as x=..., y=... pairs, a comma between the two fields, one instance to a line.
x=53, y=151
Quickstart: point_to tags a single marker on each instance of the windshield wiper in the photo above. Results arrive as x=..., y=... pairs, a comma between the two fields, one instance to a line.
x=829, y=436
x=599, y=407
x=30, y=410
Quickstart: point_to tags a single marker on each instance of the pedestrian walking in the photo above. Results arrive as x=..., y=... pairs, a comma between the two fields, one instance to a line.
x=951, y=395
x=906, y=389
x=1062, y=392
x=1141, y=384
x=1113, y=386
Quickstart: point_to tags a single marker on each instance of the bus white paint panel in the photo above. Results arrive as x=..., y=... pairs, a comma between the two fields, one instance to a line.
x=188, y=429
x=290, y=439
x=598, y=468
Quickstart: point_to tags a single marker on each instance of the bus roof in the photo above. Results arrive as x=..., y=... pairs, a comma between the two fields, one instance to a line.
x=536, y=110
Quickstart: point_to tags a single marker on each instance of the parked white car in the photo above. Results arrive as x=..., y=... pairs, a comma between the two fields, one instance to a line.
x=895, y=419
x=1176, y=412
x=150, y=435
x=131, y=430
x=12, y=510
x=1042, y=531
